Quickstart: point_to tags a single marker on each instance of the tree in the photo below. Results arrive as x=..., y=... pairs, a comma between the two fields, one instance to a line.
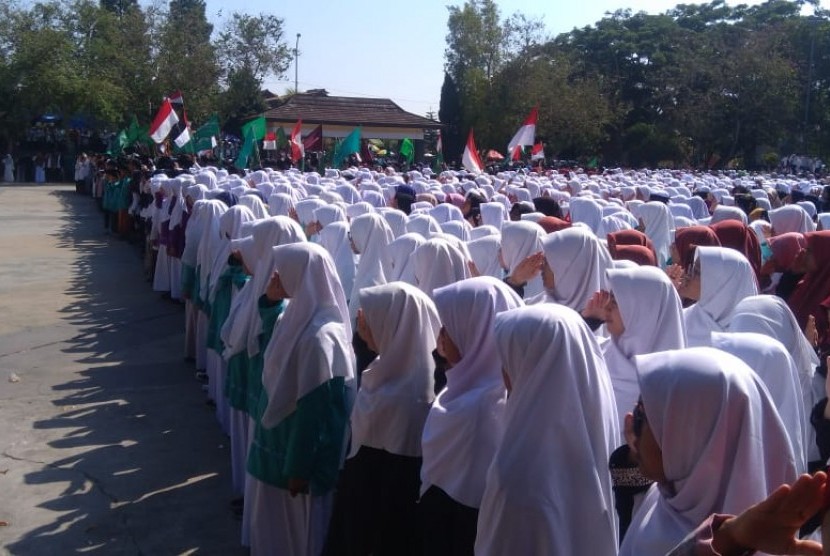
x=255, y=45
x=449, y=114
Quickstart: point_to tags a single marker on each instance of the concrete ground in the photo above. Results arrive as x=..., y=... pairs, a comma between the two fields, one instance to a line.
x=106, y=444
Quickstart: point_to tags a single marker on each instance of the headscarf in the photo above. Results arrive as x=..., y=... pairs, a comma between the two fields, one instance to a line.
x=254, y=202
x=396, y=389
x=628, y=237
x=815, y=286
x=398, y=265
x=638, y=254
x=335, y=239
x=790, y=218
x=311, y=343
x=485, y=254
x=658, y=221
x=552, y=224
x=438, y=263
x=713, y=419
x=371, y=235
x=724, y=213
x=280, y=204
x=423, y=224
x=726, y=278
x=579, y=262
x=586, y=211
x=548, y=489
x=519, y=240
x=741, y=238
x=687, y=240
x=652, y=315
x=464, y=425
x=786, y=247
x=770, y=361
x=230, y=228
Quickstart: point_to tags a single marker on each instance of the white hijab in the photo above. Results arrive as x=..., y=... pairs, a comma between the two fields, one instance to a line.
x=335, y=239
x=586, y=211
x=485, y=254
x=423, y=224
x=230, y=228
x=465, y=423
x=312, y=342
x=396, y=389
x=280, y=204
x=256, y=205
x=548, y=489
x=659, y=224
x=398, y=265
x=790, y=218
x=724, y=445
x=770, y=361
x=579, y=263
x=371, y=235
x=437, y=263
x=652, y=314
x=519, y=240
x=242, y=328
x=771, y=316
x=193, y=232
x=209, y=240
x=726, y=277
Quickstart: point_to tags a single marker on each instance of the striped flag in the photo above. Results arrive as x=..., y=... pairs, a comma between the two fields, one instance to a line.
x=470, y=160
x=164, y=121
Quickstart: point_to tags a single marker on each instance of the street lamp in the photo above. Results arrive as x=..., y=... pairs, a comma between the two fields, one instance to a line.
x=296, y=64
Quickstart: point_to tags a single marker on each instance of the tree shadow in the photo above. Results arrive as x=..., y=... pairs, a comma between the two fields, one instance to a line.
x=145, y=466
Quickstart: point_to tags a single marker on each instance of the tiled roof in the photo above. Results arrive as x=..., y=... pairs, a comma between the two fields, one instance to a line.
x=356, y=111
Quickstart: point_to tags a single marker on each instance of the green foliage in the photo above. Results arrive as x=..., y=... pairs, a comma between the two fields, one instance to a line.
x=695, y=84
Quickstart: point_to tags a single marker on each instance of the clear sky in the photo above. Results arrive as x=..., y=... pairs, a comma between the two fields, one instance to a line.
x=395, y=49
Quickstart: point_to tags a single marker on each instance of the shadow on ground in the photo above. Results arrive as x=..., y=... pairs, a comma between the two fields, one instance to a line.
x=144, y=464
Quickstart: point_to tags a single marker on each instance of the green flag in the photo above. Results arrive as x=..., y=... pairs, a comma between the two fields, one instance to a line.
x=257, y=126
x=407, y=150
x=349, y=145
x=133, y=131
x=119, y=142
x=593, y=163
x=204, y=137
x=246, y=150
x=282, y=140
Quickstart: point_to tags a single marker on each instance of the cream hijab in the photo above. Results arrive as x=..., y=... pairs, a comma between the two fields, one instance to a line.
x=371, y=235
x=519, y=240
x=548, y=489
x=726, y=277
x=398, y=264
x=724, y=445
x=311, y=343
x=396, y=389
x=335, y=239
x=464, y=426
x=438, y=263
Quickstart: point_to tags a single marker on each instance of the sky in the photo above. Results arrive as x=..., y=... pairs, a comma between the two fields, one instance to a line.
x=395, y=49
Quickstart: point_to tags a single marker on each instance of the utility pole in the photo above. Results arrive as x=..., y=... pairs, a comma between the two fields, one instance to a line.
x=296, y=64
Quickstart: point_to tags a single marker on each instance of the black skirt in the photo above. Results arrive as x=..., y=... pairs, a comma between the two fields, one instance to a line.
x=449, y=526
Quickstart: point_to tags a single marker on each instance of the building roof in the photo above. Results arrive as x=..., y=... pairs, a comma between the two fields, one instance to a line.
x=319, y=108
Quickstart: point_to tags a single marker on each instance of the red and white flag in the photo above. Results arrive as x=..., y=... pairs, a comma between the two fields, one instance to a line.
x=270, y=141
x=181, y=131
x=526, y=135
x=538, y=152
x=176, y=99
x=296, y=142
x=163, y=122
x=470, y=160
x=439, y=145
x=516, y=155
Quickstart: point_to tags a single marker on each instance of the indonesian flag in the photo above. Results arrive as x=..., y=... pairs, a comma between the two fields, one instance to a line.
x=181, y=131
x=538, y=152
x=516, y=154
x=296, y=142
x=163, y=122
x=439, y=145
x=176, y=98
x=470, y=160
x=270, y=142
x=527, y=133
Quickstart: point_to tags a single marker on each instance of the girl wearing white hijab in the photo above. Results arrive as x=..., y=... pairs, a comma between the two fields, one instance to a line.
x=574, y=269
x=398, y=265
x=423, y=224
x=719, y=280
x=308, y=377
x=770, y=315
x=643, y=314
x=335, y=239
x=370, y=236
x=256, y=205
x=280, y=204
x=438, y=263
x=379, y=486
x=464, y=425
x=790, y=218
x=709, y=435
x=519, y=240
x=770, y=361
x=548, y=489
x=484, y=252
x=586, y=211
x=658, y=225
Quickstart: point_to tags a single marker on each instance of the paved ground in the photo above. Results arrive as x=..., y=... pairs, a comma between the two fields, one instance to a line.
x=106, y=444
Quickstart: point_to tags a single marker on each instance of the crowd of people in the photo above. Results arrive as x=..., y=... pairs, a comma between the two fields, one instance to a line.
x=631, y=362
